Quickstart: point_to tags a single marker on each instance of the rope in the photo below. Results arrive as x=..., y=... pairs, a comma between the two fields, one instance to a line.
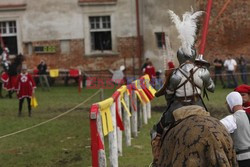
x=37, y=125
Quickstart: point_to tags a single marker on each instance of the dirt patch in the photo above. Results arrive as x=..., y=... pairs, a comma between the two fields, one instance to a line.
x=69, y=158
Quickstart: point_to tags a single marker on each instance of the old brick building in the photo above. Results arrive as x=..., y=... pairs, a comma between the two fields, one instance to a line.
x=98, y=35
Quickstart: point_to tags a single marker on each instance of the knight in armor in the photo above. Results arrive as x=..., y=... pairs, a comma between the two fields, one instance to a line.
x=4, y=62
x=183, y=85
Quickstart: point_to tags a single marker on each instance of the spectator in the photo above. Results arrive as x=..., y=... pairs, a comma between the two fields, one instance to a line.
x=145, y=64
x=237, y=124
x=244, y=90
x=118, y=75
x=42, y=72
x=243, y=69
x=150, y=70
x=25, y=89
x=230, y=65
x=218, y=68
x=158, y=80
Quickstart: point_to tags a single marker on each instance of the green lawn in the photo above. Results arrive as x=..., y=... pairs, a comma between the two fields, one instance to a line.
x=66, y=141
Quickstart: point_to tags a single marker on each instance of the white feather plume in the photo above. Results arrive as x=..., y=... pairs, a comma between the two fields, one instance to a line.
x=186, y=28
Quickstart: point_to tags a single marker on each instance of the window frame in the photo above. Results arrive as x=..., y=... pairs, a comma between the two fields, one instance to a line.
x=87, y=35
x=15, y=34
x=159, y=41
x=8, y=28
x=97, y=26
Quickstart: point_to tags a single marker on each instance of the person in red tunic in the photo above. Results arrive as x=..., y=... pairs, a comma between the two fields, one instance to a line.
x=244, y=90
x=25, y=86
x=150, y=70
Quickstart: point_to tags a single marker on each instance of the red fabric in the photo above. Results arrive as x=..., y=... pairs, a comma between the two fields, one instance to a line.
x=6, y=81
x=145, y=89
x=96, y=142
x=243, y=89
x=171, y=65
x=130, y=89
x=246, y=107
x=140, y=93
x=24, y=85
x=73, y=73
x=35, y=71
x=9, y=82
x=5, y=77
x=150, y=70
x=119, y=122
x=13, y=80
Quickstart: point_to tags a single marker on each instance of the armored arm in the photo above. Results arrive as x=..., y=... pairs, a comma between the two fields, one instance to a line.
x=162, y=90
x=207, y=80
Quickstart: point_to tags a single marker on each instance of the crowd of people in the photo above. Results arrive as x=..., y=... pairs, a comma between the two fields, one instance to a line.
x=230, y=66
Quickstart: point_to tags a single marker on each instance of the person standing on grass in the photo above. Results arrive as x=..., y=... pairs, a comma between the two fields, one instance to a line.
x=25, y=86
x=237, y=124
x=42, y=68
x=243, y=69
x=244, y=90
x=230, y=64
x=218, y=68
x=145, y=64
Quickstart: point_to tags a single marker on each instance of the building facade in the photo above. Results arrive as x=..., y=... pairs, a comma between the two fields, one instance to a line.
x=95, y=35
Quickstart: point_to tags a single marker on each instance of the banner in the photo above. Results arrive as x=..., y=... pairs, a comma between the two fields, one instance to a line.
x=54, y=73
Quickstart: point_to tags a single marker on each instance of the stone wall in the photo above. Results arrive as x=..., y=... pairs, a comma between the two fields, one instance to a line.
x=230, y=32
x=127, y=47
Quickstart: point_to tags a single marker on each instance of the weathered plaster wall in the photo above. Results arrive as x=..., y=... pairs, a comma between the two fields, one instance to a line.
x=52, y=20
x=156, y=19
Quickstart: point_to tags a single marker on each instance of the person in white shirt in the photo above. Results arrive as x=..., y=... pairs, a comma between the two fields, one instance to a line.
x=237, y=124
x=230, y=64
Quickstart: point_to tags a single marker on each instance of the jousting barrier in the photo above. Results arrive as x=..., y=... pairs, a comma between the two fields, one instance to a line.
x=126, y=111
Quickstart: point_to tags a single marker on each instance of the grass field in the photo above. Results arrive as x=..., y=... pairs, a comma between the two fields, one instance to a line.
x=66, y=140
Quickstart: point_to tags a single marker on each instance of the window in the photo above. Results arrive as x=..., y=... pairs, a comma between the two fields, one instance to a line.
x=9, y=35
x=160, y=39
x=65, y=46
x=100, y=31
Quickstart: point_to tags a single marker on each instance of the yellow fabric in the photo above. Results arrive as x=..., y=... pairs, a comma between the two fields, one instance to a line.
x=122, y=90
x=107, y=124
x=138, y=86
x=125, y=107
x=33, y=102
x=139, y=96
x=54, y=73
x=149, y=86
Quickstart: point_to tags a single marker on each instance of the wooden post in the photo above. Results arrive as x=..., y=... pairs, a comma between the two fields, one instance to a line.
x=139, y=114
x=134, y=116
x=101, y=153
x=144, y=112
x=113, y=156
x=127, y=125
x=148, y=106
x=119, y=132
